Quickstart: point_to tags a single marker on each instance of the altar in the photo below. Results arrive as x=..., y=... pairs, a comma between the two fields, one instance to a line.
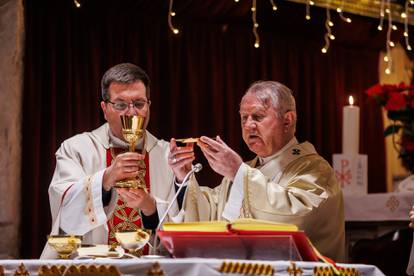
x=379, y=222
x=186, y=266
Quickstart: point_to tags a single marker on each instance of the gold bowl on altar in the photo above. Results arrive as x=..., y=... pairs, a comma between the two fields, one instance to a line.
x=64, y=245
x=132, y=240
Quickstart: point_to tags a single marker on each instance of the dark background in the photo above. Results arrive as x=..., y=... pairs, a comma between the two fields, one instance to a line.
x=198, y=78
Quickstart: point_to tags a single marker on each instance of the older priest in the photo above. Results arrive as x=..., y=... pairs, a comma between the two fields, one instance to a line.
x=287, y=182
x=82, y=198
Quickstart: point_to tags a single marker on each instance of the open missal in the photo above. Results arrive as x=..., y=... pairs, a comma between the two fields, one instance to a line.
x=241, y=239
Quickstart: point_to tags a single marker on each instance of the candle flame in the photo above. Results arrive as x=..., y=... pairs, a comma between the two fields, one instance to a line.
x=351, y=100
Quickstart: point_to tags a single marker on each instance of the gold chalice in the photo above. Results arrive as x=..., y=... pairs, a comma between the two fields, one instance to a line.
x=64, y=245
x=132, y=130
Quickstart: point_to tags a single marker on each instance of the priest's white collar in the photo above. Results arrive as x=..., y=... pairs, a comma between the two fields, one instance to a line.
x=264, y=160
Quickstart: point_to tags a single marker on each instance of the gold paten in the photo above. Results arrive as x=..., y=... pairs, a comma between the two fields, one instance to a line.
x=132, y=130
x=187, y=140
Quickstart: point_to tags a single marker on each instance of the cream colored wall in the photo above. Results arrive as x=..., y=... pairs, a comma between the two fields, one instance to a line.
x=401, y=72
x=11, y=80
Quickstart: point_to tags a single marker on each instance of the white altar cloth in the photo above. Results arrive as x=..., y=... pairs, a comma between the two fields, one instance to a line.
x=378, y=207
x=186, y=266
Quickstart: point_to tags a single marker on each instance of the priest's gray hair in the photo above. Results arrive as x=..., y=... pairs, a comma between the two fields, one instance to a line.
x=274, y=93
x=125, y=73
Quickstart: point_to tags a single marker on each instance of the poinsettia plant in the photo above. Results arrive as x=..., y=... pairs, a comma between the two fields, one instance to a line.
x=398, y=100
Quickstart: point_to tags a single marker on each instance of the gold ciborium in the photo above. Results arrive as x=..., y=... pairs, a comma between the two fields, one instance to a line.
x=64, y=245
x=132, y=130
x=133, y=241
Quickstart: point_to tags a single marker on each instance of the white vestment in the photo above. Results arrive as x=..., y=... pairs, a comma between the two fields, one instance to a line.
x=296, y=186
x=75, y=192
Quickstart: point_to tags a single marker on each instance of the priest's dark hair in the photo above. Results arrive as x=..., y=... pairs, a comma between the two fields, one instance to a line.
x=125, y=73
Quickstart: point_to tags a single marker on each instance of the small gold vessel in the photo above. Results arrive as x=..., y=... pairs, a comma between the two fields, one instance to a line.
x=64, y=245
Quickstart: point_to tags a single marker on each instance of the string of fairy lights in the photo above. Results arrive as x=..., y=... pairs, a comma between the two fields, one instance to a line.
x=385, y=12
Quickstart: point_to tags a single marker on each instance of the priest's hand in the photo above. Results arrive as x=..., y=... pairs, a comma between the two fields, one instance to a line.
x=124, y=166
x=180, y=159
x=411, y=217
x=221, y=158
x=138, y=198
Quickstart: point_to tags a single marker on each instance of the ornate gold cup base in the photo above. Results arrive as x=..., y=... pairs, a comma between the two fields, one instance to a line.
x=131, y=184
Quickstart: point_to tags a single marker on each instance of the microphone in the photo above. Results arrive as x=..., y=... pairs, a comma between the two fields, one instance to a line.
x=196, y=168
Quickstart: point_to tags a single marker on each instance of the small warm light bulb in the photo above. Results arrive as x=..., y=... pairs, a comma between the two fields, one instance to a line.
x=324, y=50
x=405, y=34
x=274, y=8
x=176, y=31
x=382, y=14
x=172, y=13
x=387, y=10
x=311, y=3
x=332, y=37
x=339, y=10
x=349, y=20
x=387, y=71
x=351, y=100
x=330, y=23
x=409, y=48
x=253, y=9
x=386, y=58
x=256, y=45
x=412, y=2
x=236, y=1
x=403, y=15
x=307, y=17
x=394, y=27
x=392, y=44
x=379, y=28
x=256, y=25
x=77, y=4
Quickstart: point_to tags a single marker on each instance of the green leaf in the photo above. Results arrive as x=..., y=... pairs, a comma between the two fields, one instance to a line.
x=403, y=115
x=392, y=129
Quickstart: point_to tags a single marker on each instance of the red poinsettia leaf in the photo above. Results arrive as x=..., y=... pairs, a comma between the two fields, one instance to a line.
x=389, y=88
x=375, y=90
x=402, y=85
x=396, y=101
x=409, y=145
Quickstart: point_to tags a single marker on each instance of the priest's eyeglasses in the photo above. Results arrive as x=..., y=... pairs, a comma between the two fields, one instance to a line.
x=121, y=106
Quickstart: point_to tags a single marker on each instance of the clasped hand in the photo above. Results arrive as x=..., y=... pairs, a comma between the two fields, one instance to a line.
x=125, y=166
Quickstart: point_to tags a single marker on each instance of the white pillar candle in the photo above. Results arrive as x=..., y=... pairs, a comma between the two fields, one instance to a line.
x=350, y=128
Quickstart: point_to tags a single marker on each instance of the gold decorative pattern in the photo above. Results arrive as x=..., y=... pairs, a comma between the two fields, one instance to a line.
x=54, y=270
x=156, y=270
x=245, y=209
x=328, y=271
x=127, y=220
x=293, y=270
x=21, y=271
x=90, y=270
x=89, y=209
x=246, y=268
x=392, y=203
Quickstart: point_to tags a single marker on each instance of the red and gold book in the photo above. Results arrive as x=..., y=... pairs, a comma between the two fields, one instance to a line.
x=242, y=239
